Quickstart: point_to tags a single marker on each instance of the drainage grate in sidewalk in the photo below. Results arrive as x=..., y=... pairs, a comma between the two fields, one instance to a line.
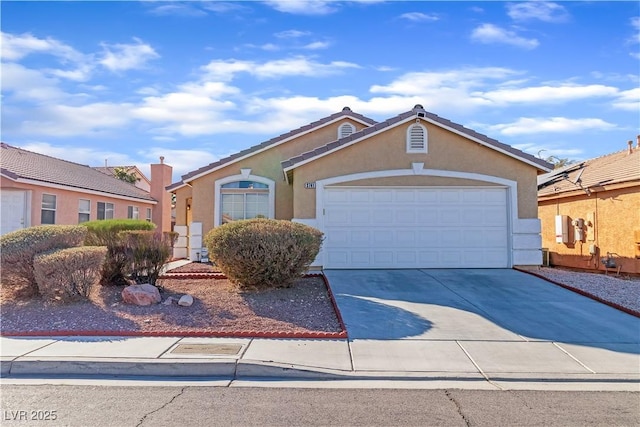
x=213, y=349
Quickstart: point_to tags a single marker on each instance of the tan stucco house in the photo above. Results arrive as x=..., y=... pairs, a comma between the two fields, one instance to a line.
x=590, y=213
x=413, y=191
x=37, y=189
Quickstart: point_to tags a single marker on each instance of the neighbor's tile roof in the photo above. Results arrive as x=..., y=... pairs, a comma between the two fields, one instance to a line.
x=346, y=112
x=427, y=115
x=19, y=163
x=615, y=168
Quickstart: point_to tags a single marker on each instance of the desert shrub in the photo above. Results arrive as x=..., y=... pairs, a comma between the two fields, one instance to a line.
x=18, y=249
x=69, y=274
x=146, y=253
x=116, y=266
x=259, y=253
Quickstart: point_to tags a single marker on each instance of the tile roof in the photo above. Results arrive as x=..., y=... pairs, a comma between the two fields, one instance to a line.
x=18, y=163
x=514, y=152
x=615, y=168
x=346, y=112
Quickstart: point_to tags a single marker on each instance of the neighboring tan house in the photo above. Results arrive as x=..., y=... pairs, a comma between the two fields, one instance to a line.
x=590, y=213
x=414, y=191
x=38, y=189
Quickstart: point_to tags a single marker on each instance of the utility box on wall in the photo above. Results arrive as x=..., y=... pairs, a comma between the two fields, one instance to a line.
x=562, y=229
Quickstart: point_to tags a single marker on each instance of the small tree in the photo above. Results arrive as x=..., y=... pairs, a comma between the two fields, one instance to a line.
x=123, y=175
x=146, y=253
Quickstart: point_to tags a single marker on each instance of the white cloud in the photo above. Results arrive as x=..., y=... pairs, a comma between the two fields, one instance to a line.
x=547, y=94
x=121, y=57
x=182, y=161
x=304, y=7
x=83, y=155
x=225, y=70
x=535, y=125
x=291, y=34
x=16, y=47
x=419, y=17
x=27, y=84
x=540, y=10
x=490, y=34
x=223, y=7
x=178, y=9
x=317, y=45
x=628, y=100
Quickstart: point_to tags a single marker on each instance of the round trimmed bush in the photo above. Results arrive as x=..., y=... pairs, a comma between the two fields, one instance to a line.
x=263, y=253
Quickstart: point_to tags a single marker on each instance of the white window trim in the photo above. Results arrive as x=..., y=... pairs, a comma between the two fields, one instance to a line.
x=149, y=214
x=353, y=130
x=80, y=211
x=217, y=216
x=55, y=206
x=113, y=210
x=425, y=141
x=135, y=212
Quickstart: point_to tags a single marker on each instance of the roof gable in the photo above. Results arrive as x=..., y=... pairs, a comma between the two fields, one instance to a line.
x=416, y=113
x=19, y=164
x=345, y=113
x=615, y=168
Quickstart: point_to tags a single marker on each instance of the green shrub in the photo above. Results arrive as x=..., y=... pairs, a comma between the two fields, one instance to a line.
x=107, y=233
x=69, y=274
x=260, y=253
x=146, y=253
x=18, y=249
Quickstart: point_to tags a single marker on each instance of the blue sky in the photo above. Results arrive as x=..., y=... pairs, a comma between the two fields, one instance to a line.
x=196, y=81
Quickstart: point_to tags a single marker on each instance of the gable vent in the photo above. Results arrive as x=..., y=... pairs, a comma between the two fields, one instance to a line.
x=416, y=139
x=345, y=130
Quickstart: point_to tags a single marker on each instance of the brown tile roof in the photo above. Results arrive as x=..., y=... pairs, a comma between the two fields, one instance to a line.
x=18, y=163
x=418, y=110
x=346, y=112
x=615, y=168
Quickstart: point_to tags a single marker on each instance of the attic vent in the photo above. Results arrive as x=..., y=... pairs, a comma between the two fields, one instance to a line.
x=345, y=130
x=416, y=139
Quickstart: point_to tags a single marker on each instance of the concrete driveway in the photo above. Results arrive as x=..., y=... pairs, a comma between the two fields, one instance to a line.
x=497, y=321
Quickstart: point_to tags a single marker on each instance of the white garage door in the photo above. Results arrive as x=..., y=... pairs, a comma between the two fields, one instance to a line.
x=415, y=227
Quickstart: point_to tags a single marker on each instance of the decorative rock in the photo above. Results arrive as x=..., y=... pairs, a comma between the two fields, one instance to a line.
x=144, y=294
x=168, y=301
x=185, y=300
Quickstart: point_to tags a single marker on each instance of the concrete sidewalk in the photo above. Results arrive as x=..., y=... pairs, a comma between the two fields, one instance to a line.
x=454, y=364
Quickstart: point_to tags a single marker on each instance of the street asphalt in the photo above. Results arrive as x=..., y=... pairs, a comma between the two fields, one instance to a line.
x=469, y=329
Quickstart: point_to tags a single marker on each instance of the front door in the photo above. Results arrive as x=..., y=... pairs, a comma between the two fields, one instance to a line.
x=14, y=211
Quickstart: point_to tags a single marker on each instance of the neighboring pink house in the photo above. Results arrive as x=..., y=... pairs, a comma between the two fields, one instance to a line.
x=38, y=189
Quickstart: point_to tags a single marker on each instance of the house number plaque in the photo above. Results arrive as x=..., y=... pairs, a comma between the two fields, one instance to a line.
x=309, y=185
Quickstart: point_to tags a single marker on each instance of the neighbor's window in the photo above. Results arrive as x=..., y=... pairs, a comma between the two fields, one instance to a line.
x=149, y=214
x=48, y=213
x=133, y=212
x=105, y=210
x=346, y=130
x=244, y=200
x=416, y=139
x=84, y=210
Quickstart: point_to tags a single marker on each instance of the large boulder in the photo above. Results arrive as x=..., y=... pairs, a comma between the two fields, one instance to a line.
x=144, y=294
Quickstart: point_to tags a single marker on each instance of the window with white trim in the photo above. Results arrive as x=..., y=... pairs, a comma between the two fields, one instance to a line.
x=84, y=210
x=48, y=212
x=105, y=210
x=133, y=212
x=148, y=214
x=345, y=130
x=416, y=139
x=243, y=200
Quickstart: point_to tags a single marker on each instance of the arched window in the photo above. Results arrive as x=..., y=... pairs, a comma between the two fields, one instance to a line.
x=416, y=139
x=244, y=197
x=345, y=130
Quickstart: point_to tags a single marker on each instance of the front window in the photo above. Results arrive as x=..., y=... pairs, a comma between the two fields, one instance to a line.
x=133, y=212
x=105, y=210
x=84, y=210
x=149, y=214
x=244, y=200
x=48, y=212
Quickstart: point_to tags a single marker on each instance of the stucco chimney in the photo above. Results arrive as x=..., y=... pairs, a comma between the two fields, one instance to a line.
x=630, y=143
x=638, y=141
x=160, y=180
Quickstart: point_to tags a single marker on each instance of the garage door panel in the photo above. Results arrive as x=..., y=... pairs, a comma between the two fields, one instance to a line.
x=419, y=228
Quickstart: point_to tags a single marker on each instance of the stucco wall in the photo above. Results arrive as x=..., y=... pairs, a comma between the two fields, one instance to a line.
x=617, y=217
x=67, y=203
x=446, y=151
x=265, y=164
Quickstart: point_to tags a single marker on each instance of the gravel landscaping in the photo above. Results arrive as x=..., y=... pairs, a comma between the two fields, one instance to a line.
x=623, y=290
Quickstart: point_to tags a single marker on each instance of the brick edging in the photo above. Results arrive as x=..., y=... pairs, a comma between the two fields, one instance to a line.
x=204, y=334
x=583, y=293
